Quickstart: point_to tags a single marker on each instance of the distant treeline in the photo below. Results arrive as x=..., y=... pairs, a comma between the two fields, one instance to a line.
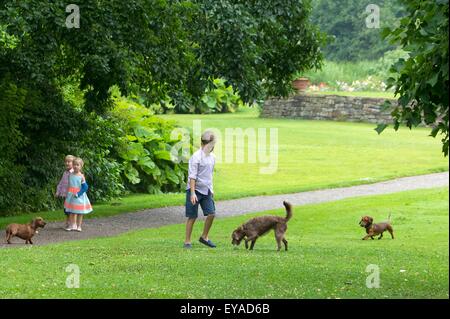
x=345, y=23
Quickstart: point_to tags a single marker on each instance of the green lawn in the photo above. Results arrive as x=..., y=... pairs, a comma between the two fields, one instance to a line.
x=321, y=154
x=327, y=258
x=311, y=155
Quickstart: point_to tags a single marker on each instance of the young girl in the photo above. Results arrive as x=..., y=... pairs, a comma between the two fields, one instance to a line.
x=77, y=203
x=63, y=185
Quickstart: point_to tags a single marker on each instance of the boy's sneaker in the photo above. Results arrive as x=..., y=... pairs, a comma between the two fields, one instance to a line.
x=78, y=229
x=207, y=242
x=187, y=246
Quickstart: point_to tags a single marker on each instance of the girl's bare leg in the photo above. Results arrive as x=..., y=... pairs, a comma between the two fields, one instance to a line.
x=72, y=220
x=79, y=220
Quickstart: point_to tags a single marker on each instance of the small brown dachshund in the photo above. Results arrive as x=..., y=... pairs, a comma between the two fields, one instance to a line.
x=25, y=232
x=376, y=229
x=259, y=226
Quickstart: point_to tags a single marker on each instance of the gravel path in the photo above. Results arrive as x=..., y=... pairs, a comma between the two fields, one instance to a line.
x=150, y=218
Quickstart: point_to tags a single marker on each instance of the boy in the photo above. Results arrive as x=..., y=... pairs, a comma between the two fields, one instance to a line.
x=199, y=189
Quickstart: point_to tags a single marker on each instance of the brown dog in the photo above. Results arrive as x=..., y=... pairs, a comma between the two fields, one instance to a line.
x=376, y=229
x=259, y=226
x=26, y=232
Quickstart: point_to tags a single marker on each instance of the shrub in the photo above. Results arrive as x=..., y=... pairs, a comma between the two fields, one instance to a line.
x=37, y=130
x=102, y=169
x=145, y=150
x=36, y=126
x=220, y=99
x=12, y=100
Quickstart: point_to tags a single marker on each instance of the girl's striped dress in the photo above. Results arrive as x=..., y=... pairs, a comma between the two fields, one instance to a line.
x=73, y=204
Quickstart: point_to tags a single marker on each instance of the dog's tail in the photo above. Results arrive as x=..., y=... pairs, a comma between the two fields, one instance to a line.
x=389, y=218
x=288, y=207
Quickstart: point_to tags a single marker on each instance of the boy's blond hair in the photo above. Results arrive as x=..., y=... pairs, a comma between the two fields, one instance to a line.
x=69, y=158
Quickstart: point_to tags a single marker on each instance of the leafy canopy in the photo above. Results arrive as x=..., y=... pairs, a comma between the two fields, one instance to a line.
x=350, y=39
x=160, y=48
x=422, y=79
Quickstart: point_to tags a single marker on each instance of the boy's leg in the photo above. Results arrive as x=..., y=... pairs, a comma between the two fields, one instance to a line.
x=191, y=214
x=208, y=223
x=189, y=226
x=209, y=209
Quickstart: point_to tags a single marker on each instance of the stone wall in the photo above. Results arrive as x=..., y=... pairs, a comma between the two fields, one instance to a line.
x=328, y=107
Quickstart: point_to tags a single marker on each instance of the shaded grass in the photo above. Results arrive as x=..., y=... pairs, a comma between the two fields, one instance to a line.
x=326, y=259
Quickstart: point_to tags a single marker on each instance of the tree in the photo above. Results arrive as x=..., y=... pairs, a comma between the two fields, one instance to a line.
x=422, y=81
x=162, y=50
x=257, y=46
x=345, y=23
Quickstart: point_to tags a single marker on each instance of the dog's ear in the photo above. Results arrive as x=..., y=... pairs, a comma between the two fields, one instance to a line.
x=371, y=219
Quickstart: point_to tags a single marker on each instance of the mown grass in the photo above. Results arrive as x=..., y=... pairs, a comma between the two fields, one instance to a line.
x=318, y=154
x=326, y=258
x=311, y=155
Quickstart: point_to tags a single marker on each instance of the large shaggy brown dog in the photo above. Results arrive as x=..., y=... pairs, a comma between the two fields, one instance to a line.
x=259, y=226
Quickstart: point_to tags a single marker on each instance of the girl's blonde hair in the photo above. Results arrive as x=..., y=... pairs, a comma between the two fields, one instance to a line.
x=69, y=158
x=78, y=160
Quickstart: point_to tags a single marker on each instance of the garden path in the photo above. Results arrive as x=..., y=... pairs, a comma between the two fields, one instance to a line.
x=157, y=217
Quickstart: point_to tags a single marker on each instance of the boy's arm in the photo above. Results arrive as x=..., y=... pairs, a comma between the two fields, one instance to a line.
x=193, y=171
x=192, y=188
x=192, y=185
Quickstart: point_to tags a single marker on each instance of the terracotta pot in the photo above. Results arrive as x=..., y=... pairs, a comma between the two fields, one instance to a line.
x=301, y=84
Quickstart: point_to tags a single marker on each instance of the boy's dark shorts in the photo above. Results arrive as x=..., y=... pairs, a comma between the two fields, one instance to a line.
x=205, y=201
x=66, y=212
